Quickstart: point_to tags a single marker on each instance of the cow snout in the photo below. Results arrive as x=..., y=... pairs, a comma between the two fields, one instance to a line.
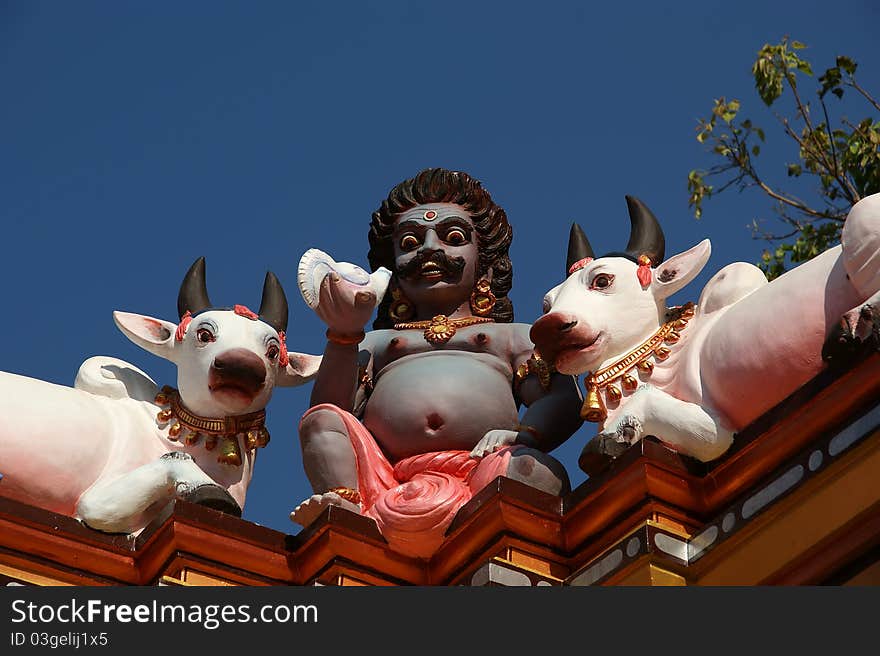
x=549, y=327
x=238, y=368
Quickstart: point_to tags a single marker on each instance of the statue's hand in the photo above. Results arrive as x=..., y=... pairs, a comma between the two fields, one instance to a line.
x=344, y=306
x=342, y=294
x=492, y=441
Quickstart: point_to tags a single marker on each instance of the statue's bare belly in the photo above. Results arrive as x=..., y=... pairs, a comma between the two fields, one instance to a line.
x=439, y=400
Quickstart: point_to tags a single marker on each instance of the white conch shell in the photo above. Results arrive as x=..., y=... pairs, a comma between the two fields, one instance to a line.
x=314, y=265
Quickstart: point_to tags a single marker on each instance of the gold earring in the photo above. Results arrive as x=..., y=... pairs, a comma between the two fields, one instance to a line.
x=401, y=309
x=482, y=298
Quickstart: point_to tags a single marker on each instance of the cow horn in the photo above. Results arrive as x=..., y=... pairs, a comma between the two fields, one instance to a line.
x=193, y=295
x=273, y=306
x=578, y=247
x=646, y=235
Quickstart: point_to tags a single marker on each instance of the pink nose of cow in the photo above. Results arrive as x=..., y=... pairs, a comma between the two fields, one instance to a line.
x=240, y=368
x=547, y=331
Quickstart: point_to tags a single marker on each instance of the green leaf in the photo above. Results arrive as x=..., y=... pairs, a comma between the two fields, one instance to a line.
x=804, y=67
x=827, y=151
x=847, y=64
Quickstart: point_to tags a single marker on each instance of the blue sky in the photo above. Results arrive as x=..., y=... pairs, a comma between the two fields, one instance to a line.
x=136, y=137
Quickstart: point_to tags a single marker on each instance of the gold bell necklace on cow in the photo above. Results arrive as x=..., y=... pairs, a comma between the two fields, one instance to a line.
x=623, y=369
x=218, y=432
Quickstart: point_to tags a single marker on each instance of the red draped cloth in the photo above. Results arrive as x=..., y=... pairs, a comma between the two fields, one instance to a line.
x=415, y=500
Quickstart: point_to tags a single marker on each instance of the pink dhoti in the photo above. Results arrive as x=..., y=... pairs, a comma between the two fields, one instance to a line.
x=415, y=500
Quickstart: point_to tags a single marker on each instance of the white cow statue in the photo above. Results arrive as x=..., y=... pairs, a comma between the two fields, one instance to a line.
x=693, y=376
x=114, y=450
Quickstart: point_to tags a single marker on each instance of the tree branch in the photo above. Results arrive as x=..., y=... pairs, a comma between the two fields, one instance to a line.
x=805, y=112
x=841, y=176
x=747, y=169
x=865, y=94
x=792, y=202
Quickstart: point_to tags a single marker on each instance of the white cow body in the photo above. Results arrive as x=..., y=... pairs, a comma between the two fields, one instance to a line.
x=749, y=344
x=58, y=442
x=99, y=451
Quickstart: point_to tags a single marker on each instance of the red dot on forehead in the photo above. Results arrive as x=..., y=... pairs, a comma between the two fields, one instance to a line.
x=430, y=215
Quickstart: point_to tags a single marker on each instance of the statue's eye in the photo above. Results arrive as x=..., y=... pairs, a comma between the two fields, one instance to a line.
x=272, y=351
x=408, y=242
x=205, y=336
x=456, y=237
x=546, y=305
x=602, y=281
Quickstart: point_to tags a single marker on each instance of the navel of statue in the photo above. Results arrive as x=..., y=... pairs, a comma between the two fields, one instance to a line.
x=433, y=384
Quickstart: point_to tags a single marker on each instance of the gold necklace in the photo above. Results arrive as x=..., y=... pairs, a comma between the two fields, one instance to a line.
x=222, y=429
x=594, y=408
x=441, y=328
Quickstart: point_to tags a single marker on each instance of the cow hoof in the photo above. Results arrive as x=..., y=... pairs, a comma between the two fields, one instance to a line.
x=176, y=455
x=610, y=445
x=599, y=453
x=213, y=496
x=849, y=336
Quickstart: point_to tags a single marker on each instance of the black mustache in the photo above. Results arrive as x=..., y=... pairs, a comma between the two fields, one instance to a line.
x=450, y=266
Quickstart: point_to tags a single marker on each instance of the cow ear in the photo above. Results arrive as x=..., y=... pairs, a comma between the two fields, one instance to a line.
x=300, y=370
x=154, y=335
x=679, y=270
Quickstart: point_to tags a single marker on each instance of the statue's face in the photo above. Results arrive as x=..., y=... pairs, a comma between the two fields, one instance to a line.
x=436, y=254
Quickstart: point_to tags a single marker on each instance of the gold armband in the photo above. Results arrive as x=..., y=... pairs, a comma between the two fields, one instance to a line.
x=534, y=365
x=365, y=380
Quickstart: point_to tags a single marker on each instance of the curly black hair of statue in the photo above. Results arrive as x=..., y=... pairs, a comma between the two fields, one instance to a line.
x=494, y=233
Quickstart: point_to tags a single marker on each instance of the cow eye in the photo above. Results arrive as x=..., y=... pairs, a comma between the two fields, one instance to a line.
x=546, y=305
x=272, y=351
x=602, y=281
x=456, y=237
x=205, y=336
x=408, y=242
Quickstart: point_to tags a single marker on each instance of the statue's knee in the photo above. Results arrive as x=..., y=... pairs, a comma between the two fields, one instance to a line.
x=323, y=432
x=319, y=422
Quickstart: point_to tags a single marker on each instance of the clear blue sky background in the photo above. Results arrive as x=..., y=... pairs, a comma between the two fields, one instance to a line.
x=135, y=137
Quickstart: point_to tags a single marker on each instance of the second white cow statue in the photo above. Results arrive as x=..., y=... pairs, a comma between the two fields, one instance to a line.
x=693, y=376
x=114, y=449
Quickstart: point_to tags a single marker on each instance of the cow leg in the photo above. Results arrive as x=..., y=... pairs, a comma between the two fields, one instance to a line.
x=687, y=427
x=860, y=241
x=127, y=503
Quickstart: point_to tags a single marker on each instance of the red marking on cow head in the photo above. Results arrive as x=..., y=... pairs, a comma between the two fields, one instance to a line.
x=182, y=326
x=580, y=264
x=644, y=271
x=243, y=311
x=283, y=356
